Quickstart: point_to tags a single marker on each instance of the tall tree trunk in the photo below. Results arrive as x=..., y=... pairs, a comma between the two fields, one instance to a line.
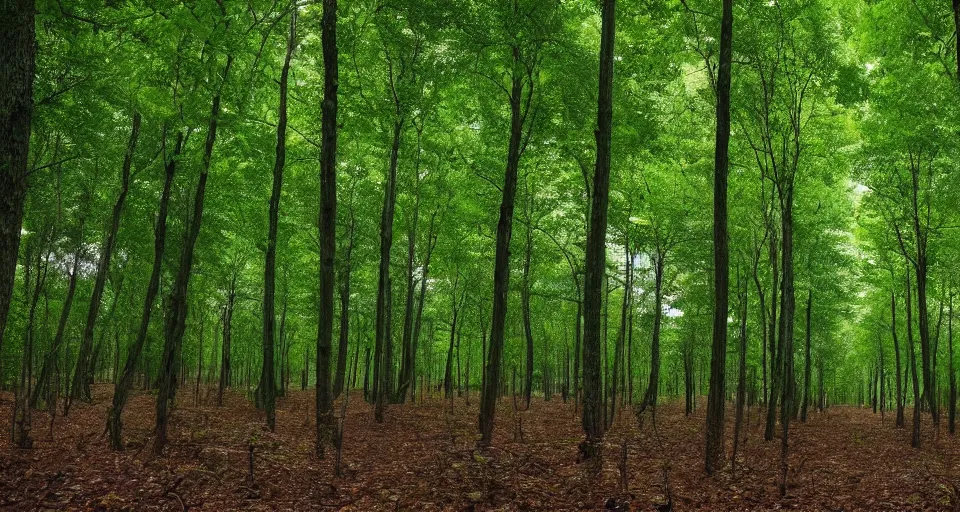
x=625, y=307
x=593, y=425
x=226, y=367
x=268, y=382
x=721, y=277
x=175, y=322
x=501, y=272
x=407, y=353
x=776, y=354
x=741, y=374
x=381, y=370
x=787, y=308
x=923, y=323
x=83, y=373
x=17, y=53
x=525, y=305
x=122, y=390
x=952, y=408
x=650, y=398
x=328, y=219
x=345, y=274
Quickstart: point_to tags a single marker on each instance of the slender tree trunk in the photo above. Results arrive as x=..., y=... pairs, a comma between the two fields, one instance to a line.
x=787, y=308
x=83, y=373
x=593, y=425
x=525, y=307
x=912, y=368
x=776, y=354
x=501, y=272
x=721, y=278
x=896, y=352
x=650, y=398
x=268, y=383
x=17, y=53
x=741, y=376
x=381, y=371
x=122, y=390
x=345, y=275
x=328, y=219
x=952, y=408
x=175, y=321
x=46, y=377
x=806, y=365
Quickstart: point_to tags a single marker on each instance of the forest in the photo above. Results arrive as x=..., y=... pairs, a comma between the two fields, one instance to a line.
x=479, y=254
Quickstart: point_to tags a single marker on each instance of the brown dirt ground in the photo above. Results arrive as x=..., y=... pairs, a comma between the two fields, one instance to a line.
x=423, y=457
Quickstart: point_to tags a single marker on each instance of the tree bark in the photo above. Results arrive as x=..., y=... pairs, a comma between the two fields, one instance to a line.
x=593, y=425
x=381, y=371
x=327, y=223
x=268, y=383
x=721, y=278
x=501, y=272
x=17, y=53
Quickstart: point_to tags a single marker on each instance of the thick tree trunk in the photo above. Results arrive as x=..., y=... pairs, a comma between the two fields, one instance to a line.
x=125, y=382
x=593, y=425
x=17, y=53
x=328, y=219
x=268, y=384
x=175, y=322
x=721, y=278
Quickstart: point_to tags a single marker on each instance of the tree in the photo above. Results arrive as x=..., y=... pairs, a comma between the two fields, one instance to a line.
x=593, y=425
x=718, y=359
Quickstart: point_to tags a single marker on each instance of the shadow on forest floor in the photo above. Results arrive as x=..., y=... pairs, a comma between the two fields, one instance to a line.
x=423, y=457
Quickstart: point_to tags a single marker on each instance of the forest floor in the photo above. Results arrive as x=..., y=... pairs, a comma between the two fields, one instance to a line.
x=423, y=457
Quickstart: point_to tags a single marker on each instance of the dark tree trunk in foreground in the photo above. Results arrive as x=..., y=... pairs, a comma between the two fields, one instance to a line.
x=721, y=278
x=125, y=382
x=267, y=391
x=593, y=425
x=17, y=53
x=175, y=322
x=328, y=219
x=83, y=373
